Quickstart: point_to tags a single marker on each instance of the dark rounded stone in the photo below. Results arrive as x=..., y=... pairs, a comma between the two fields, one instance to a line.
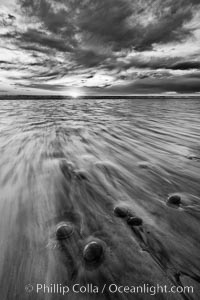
x=81, y=175
x=93, y=252
x=193, y=157
x=64, y=231
x=134, y=221
x=121, y=211
x=190, y=157
x=144, y=165
x=174, y=199
x=67, y=169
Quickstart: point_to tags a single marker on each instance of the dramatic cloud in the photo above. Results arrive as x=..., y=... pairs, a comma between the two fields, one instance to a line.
x=120, y=23
x=107, y=45
x=186, y=65
x=35, y=37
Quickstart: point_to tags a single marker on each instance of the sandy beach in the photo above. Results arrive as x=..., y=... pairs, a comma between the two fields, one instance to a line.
x=124, y=174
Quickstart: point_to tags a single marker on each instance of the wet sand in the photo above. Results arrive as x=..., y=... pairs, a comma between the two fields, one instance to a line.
x=74, y=162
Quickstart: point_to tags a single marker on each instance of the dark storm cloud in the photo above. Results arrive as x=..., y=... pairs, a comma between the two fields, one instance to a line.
x=184, y=84
x=141, y=74
x=119, y=23
x=139, y=62
x=186, y=65
x=195, y=75
x=168, y=63
x=11, y=17
x=42, y=86
x=5, y=62
x=153, y=63
x=34, y=48
x=9, y=66
x=36, y=37
x=58, y=21
x=6, y=19
x=89, y=58
x=107, y=22
x=9, y=35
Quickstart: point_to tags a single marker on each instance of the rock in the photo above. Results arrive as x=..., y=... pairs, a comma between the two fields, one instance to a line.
x=190, y=157
x=93, y=252
x=67, y=169
x=193, y=157
x=143, y=165
x=134, y=221
x=121, y=211
x=174, y=199
x=64, y=231
x=81, y=175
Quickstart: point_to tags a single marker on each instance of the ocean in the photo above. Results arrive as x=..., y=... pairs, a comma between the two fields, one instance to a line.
x=99, y=165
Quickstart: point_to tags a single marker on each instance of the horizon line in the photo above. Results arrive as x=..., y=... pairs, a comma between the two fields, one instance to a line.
x=98, y=96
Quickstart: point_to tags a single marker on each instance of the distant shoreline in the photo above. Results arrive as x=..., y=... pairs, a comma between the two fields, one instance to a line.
x=61, y=97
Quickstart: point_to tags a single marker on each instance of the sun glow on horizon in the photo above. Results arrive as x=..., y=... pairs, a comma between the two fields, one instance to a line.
x=74, y=93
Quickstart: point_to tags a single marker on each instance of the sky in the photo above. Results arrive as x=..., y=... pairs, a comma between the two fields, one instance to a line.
x=107, y=47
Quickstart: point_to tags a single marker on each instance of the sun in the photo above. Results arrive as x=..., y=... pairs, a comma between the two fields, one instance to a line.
x=74, y=94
